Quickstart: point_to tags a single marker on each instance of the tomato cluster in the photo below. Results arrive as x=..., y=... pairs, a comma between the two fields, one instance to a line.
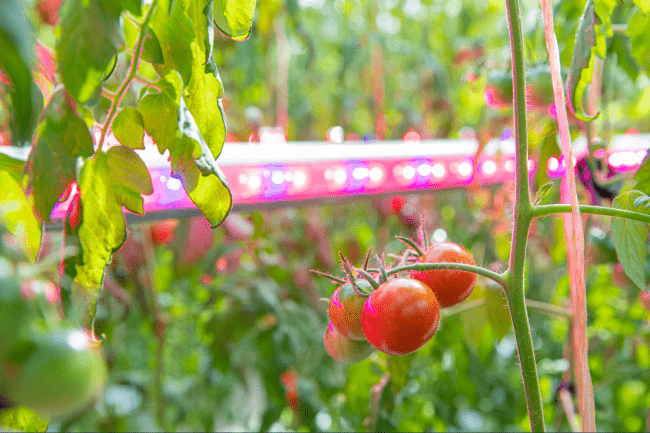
x=401, y=314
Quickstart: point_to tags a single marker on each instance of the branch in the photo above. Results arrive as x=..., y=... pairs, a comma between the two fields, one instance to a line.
x=549, y=209
x=454, y=266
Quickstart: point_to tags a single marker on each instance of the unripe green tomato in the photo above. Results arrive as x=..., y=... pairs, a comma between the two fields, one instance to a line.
x=55, y=372
x=343, y=349
x=345, y=310
x=15, y=313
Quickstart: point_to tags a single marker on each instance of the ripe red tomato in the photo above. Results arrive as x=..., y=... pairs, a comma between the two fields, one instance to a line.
x=345, y=310
x=396, y=203
x=49, y=11
x=449, y=286
x=54, y=373
x=400, y=316
x=343, y=349
x=162, y=232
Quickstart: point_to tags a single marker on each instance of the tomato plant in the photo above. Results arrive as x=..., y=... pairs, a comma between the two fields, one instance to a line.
x=450, y=286
x=400, y=316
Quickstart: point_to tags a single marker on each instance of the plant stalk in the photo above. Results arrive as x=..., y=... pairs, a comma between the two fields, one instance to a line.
x=523, y=215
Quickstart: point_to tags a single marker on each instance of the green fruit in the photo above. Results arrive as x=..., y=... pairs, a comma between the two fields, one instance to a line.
x=15, y=313
x=54, y=373
x=343, y=349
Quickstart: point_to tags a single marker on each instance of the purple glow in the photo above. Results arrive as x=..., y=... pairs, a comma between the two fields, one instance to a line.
x=335, y=299
x=507, y=135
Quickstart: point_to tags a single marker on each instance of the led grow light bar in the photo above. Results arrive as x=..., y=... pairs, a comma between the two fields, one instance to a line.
x=286, y=174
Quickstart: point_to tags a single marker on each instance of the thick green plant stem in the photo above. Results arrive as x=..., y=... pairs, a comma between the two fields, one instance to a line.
x=523, y=215
x=454, y=266
x=133, y=69
x=549, y=209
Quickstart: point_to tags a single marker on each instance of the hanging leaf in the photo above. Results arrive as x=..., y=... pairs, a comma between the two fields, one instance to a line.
x=588, y=43
x=83, y=60
x=59, y=140
x=175, y=35
x=543, y=192
x=16, y=212
x=166, y=116
x=203, y=180
x=233, y=17
x=128, y=128
x=109, y=181
x=630, y=238
x=16, y=55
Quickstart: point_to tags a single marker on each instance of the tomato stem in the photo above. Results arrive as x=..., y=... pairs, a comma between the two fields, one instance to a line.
x=423, y=232
x=328, y=276
x=348, y=271
x=365, y=274
x=382, y=269
x=412, y=244
x=498, y=278
x=367, y=259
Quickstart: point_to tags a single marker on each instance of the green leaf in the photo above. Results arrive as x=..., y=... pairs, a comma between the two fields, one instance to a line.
x=630, y=239
x=233, y=17
x=637, y=30
x=642, y=176
x=543, y=192
x=83, y=60
x=16, y=55
x=109, y=181
x=117, y=6
x=59, y=140
x=203, y=180
x=159, y=113
x=588, y=44
x=620, y=44
x=128, y=128
x=644, y=5
x=16, y=212
x=604, y=10
x=22, y=419
x=175, y=34
x=204, y=102
x=152, y=51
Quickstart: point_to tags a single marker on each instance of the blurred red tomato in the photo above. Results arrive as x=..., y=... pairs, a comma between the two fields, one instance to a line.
x=396, y=203
x=49, y=11
x=162, y=232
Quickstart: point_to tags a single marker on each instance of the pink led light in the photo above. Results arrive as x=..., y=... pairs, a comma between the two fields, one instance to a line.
x=510, y=166
x=376, y=174
x=408, y=172
x=552, y=164
x=531, y=165
x=411, y=136
x=465, y=169
x=438, y=170
x=489, y=167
